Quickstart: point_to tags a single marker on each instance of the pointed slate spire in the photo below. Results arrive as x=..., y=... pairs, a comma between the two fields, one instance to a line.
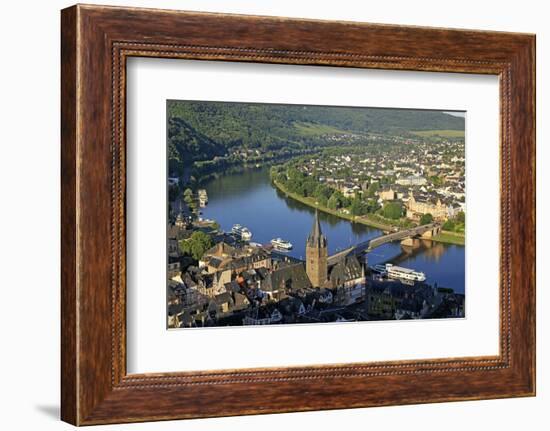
x=316, y=237
x=316, y=229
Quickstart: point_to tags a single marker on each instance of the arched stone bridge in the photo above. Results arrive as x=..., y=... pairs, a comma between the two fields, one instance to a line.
x=406, y=237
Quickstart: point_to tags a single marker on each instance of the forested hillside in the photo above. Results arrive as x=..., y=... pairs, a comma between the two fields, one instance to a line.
x=200, y=131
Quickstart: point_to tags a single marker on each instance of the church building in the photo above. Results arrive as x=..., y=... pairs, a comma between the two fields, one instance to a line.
x=317, y=255
x=347, y=274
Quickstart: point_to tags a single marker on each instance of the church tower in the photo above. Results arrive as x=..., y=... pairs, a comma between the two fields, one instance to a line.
x=316, y=255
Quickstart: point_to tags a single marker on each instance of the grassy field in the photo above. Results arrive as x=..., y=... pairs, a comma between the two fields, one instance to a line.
x=450, y=238
x=442, y=133
x=311, y=129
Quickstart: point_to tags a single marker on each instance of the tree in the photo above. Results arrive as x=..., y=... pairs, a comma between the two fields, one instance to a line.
x=309, y=186
x=392, y=210
x=322, y=192
x=461, y=217
x=449, y=225
x=333, y=202
x=196, y=245
x=372, y=205
x=280, y=178
x=426, y=219
x=373, y=188
x=294, y=184
x=188, y=197
x=357, y=206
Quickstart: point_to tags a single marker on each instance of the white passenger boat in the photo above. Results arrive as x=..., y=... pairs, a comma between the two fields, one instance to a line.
x=203, y=197
x=380, y=269
x=246, y=235
x=404, y=273
x=242, y=232
x=281, y=244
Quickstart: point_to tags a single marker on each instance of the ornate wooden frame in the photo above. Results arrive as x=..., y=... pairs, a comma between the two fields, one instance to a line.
x=95, y=43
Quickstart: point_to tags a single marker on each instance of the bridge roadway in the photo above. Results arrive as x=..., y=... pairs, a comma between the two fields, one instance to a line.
x=367, y=246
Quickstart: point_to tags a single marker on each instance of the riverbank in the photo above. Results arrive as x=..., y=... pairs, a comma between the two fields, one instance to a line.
x=444, y=237
x=313, y=204
x=237, y=166
x=450, y=238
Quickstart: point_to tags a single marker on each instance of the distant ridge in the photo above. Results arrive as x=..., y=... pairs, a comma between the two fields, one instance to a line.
x=203, y=130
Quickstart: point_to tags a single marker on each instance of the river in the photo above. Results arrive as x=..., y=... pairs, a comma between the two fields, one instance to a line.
x=249, y=199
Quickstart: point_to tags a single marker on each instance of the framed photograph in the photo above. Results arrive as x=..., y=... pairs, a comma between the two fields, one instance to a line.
x=322, y=214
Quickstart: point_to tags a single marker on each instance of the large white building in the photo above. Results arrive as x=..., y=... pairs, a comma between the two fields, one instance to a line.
x=413, y=180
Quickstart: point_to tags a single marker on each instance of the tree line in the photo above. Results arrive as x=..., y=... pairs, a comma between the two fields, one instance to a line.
x=308, y=186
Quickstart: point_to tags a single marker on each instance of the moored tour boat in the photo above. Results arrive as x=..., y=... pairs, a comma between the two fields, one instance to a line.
x=241, y=231
x=380, y=269
x=203, y=197
x=408, y=274
x=281, y=244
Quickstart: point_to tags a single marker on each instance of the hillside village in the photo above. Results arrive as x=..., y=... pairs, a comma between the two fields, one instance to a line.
x=421, y=180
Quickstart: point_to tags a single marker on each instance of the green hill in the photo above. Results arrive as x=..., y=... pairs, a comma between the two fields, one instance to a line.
x=187, y=145
x=203, y=130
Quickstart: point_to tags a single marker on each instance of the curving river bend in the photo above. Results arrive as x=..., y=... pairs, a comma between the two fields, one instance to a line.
x=248, y=198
